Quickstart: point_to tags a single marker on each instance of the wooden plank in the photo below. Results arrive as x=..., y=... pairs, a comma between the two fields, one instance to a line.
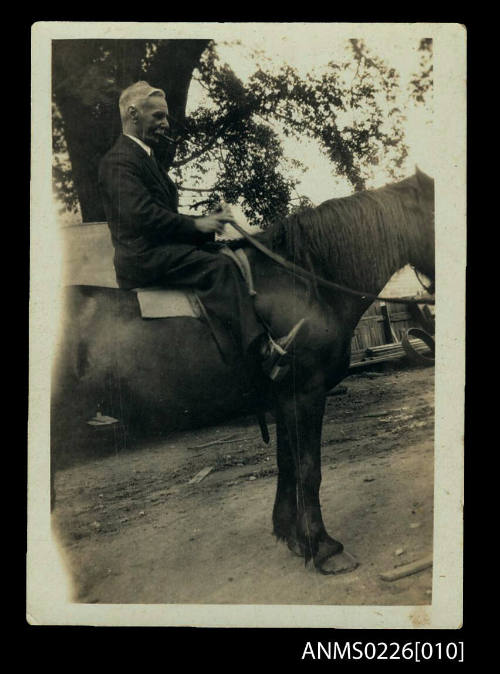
x=407, y=569
x=400, y=316
x=201, y=475
x=384, y=353
x=386, y=324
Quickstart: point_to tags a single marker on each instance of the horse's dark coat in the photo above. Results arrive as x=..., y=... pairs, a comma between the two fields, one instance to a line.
x=167, y=371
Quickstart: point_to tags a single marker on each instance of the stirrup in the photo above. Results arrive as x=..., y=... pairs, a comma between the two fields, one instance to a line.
x=275, y=365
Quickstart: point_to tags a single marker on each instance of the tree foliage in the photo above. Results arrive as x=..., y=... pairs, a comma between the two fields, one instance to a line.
x=351, y=109
x=422, y=82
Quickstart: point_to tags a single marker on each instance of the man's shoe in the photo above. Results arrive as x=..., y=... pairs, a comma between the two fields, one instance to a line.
x=276, y=363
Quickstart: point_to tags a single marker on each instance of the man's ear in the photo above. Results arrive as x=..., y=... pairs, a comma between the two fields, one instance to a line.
x=132, y=111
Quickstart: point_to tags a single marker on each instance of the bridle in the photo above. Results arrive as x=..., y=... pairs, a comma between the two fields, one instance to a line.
x=426, y=288
x=300, y=271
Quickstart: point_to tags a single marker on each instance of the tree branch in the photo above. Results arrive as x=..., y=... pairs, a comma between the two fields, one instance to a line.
x=223, y=126
x=195, y=189
x=205, y=148
x=199, y=203
x=195, y=155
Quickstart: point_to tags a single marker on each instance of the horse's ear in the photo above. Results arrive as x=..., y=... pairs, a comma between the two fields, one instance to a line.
x=425, y=182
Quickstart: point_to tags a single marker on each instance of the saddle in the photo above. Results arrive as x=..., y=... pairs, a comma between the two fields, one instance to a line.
x=160, y=302
x=156, y=302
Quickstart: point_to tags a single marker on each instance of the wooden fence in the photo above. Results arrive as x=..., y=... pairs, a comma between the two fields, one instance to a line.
x=382, y=325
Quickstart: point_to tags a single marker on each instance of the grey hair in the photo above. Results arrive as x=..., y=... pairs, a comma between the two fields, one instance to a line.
x=135, y=95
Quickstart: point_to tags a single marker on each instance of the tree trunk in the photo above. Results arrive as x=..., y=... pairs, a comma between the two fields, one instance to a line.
x=87, y=101
x=88, y=76
x=85, y=151
x=172, y=70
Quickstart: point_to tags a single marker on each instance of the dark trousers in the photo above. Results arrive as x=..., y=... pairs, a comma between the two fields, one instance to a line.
x=220, y=287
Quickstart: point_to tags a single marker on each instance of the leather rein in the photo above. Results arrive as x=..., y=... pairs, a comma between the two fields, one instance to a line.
x=300, y=271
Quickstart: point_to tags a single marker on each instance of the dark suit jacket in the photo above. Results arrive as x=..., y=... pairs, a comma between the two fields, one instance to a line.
x=140, y=202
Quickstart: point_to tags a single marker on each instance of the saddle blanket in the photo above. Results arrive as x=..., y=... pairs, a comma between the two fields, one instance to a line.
x=158, y=302
x=166, y=303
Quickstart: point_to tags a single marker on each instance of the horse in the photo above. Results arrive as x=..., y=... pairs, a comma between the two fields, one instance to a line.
x=170, y=372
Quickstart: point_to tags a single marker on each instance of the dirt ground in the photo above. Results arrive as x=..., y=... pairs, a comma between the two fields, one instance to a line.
x=135, y=530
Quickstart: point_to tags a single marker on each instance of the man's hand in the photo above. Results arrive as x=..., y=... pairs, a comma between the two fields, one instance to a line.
x=214, y=222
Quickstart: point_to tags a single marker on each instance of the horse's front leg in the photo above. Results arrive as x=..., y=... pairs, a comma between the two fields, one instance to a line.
x=302, y=414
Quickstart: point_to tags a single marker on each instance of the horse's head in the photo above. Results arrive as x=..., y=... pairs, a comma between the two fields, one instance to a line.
x=424, y=255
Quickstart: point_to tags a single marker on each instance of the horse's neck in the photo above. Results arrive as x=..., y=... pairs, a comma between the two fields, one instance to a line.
x=273, y=284
x=361, y=269
x=356, y=278
x=367, y=270
x=358, y=269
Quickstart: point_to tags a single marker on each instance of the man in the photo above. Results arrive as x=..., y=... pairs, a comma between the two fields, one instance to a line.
x=155, y=244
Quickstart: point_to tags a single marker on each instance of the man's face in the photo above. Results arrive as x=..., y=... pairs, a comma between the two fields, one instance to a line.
x=152, y=121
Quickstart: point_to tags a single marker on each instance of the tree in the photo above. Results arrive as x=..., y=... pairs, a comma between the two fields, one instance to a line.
x=87, y=78
x=350, y=110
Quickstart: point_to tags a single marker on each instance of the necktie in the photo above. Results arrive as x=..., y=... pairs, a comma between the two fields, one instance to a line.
x=168, y=184
x=158, y=166
x=153, y=159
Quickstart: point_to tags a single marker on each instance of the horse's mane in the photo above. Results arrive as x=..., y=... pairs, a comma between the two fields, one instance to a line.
x=357, y=238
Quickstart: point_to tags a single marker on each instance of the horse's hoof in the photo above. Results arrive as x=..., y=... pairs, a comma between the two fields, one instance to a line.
x=343, y=562
x=295, y=547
